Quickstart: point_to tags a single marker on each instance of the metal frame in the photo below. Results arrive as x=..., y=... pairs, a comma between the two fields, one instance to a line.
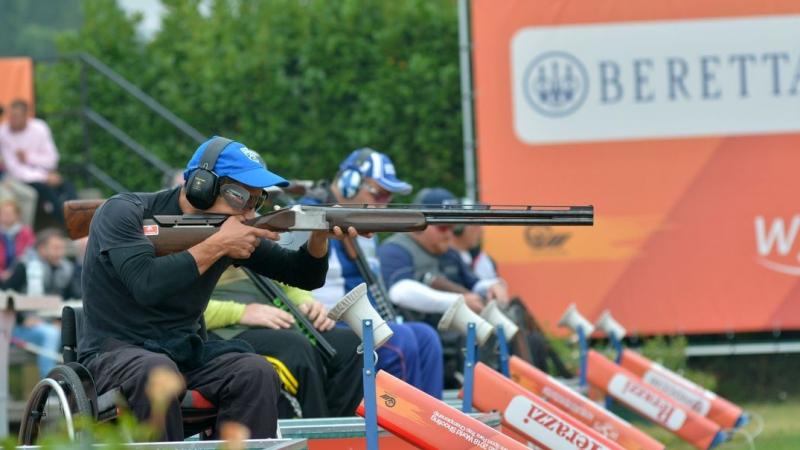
x=469, y=368
x=370, y=403
x=88, y=116
x=583, y=349
x=502, y=346
x=465, y=66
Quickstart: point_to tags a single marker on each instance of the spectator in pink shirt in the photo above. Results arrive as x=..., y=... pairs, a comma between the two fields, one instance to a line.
x=30, y=156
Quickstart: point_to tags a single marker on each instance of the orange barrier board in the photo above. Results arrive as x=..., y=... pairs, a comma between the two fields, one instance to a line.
x=526, y=414
x=580, y=407
x=629, y=390
x=429, y=423
x=683, y=391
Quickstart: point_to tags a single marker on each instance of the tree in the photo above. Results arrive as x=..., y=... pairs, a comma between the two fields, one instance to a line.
x=303, y=82
x=30, y=26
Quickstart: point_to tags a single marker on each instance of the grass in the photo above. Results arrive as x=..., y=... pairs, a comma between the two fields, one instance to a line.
x=781, y=429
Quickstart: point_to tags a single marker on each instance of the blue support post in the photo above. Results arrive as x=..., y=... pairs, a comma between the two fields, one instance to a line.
x=469, y=369
x=503, y=347
x=617, y=344
x=370, y=404
x=583, y=350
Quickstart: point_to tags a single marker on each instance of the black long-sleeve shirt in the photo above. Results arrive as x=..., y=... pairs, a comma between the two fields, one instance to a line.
x=133, y=296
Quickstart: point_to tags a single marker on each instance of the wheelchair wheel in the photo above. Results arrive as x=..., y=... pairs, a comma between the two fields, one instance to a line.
x=64, y=386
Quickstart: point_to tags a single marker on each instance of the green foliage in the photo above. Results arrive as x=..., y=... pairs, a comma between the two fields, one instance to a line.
x=30, y=26
x=780, y=430
x=304, y=83
x=114, y=435
x=568, y=353
x=768, y=377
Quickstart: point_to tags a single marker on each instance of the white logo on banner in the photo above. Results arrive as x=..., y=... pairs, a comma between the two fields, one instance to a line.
x=684, y=393
x=546, y=428
x=645, y=402
x=777, y=236
x=656, y=79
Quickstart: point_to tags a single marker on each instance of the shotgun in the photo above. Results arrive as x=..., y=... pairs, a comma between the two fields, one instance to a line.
x=171, y=234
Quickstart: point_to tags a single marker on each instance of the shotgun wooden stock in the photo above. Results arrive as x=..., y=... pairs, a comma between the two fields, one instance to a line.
x=78, y=216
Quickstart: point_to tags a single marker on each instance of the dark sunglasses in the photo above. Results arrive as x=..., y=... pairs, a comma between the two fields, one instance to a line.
x=380, y=195
x=240, y=199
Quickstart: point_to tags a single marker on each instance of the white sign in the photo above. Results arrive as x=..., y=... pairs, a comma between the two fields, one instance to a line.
x=684, y=393
x=656, y=79
x=640, y=398
x=546, y=427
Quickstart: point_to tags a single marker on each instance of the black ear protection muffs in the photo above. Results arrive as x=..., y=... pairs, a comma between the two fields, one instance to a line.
x=202, y=186
x=349, y=179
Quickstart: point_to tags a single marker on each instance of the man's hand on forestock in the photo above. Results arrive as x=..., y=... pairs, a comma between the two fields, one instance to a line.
x=258, y=315
x=318, y=242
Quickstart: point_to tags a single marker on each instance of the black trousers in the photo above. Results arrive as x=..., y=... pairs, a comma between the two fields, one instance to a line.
x=323, y=389
x=243, y=386
x=51, y=198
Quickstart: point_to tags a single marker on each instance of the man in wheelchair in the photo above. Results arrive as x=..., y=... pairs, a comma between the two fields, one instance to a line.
x=143, y=311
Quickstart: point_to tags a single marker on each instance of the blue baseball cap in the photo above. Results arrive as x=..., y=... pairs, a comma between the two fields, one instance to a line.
x=379, y=167
x=435, y=196
x=238, y=163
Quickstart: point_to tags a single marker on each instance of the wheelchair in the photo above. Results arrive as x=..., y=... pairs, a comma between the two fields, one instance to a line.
x=72, y=387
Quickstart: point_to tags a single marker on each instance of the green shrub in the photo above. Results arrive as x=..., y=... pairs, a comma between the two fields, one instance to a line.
x=304, y=83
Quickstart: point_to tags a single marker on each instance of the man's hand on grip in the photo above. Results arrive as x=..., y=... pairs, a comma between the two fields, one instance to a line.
x=239, y=240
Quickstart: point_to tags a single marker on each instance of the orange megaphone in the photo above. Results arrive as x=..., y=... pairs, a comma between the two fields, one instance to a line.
x=628, y=389
x=683, y=391
x=428, y=423
x=580, y=407
x=535, y=419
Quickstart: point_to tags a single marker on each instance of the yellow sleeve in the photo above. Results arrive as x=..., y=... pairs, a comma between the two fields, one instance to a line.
x=296, y=295
x=220, y=314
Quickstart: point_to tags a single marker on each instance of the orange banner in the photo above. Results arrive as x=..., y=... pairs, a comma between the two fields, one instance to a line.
x=628, y=389
x=580, y=407
x=429, y=423
x=683, y=391
x=16, y=81
x=678, y=120
x=531, y=417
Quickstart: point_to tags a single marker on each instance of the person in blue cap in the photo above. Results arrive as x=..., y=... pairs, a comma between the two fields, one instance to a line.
x=425, y=276
x=366, y=176
x=143, y=311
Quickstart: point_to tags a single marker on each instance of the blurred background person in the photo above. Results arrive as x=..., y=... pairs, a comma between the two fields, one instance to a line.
x=16, y=238
x=24, y=195
x=366, y=176
x=30, y=156
x=46, y=271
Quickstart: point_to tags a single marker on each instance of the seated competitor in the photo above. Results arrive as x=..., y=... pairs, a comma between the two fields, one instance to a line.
x=414, y=353
x=531, y=344
x=142, y=311
x=425, y=277
x=312, y=387
x=413, y=262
